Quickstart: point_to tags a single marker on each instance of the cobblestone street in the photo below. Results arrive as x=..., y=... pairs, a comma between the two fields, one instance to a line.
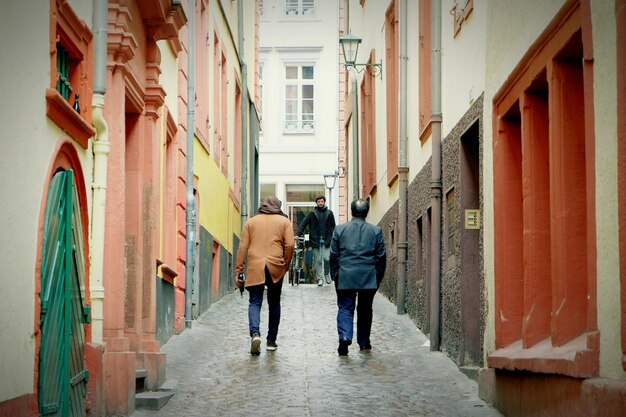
x=215, y=375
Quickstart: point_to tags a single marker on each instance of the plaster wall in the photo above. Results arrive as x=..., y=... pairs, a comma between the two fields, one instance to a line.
x=213, y=190
x=368, y=23
x=460, y=89
x=463, y=62
x=605, y=97
x=30, y=140
x=250, y=44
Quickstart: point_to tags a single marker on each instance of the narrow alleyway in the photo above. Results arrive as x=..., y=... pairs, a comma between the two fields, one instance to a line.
x=215, y=375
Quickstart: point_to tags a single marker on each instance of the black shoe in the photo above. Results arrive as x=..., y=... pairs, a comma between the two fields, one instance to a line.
x=342, y=350
x=271, y=346
x=366, y=348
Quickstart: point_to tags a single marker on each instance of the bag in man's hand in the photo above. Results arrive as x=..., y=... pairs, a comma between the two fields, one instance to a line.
x=241, y=280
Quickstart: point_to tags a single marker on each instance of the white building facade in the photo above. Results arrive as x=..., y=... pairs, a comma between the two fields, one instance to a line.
x=299, y=95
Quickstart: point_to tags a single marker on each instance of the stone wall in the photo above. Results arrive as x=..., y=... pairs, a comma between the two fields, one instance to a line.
x=418, y=262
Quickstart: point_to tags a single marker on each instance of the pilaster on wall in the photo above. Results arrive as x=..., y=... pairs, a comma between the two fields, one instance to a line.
x=134, y=101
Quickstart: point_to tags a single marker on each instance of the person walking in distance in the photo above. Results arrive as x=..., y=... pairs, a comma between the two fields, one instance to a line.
x=266, y=248
x=357, y=265
x=321, y=222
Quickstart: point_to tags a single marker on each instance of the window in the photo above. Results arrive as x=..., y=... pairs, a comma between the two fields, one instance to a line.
x=202, y=42
x=451, y=223
x=368, y=132
x=425, y=79
x=299, y=98
x=217, y=82
x=300, y=7
x=64, y=64
x=544, y=236
x=300, y=199
x=392, y=244
x=71, y=76
x=261, y=10
x=305, y=193
x=238, y=140
x=392, y=57
x=460, y=11
x=224, y=116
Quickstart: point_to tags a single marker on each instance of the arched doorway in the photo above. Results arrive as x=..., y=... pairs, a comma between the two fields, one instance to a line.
x=62, y=374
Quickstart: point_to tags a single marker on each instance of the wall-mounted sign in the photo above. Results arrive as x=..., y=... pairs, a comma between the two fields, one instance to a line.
x=472, y=219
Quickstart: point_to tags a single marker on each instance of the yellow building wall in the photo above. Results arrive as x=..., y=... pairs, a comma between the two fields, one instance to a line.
x=217, y=212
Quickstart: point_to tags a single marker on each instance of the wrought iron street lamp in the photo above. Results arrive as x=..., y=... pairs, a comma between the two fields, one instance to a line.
x=350, y=48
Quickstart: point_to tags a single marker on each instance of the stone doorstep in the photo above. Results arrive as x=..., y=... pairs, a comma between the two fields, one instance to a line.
x=470, y=371
x=152, y=400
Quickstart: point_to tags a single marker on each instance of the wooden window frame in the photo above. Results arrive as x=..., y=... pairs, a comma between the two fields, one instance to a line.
x=392, y=90
x=73, y=34
x=368, y=132
x=461, y=14
x=425, y=69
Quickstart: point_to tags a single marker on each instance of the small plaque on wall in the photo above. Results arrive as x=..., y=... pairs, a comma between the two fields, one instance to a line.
x=472, y=219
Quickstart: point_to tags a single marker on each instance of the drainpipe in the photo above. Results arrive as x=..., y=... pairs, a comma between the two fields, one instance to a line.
x=355, y=136
x=101, y=147
x=435, y=184
x=244, y=119
x=403, y=167
x=191, y=200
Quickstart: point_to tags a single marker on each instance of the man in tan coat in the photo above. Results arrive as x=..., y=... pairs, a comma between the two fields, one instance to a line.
x=266, y=248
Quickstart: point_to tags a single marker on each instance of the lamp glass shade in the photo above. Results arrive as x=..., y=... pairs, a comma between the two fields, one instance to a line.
x=330, y=180
x=350, y=47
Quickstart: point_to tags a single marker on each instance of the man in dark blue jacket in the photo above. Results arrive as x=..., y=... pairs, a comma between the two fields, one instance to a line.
x=357, y=265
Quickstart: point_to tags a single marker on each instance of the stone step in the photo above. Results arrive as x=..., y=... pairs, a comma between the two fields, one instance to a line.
x=152, y=400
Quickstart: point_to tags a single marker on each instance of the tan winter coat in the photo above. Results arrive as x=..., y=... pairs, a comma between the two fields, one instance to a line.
x=266, y=241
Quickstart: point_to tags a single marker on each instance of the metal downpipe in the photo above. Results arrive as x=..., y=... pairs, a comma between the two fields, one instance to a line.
x=100, y=148
x=436, y=184
x=403, y=167
x=355, y=136
x=190, y=198
x=244, y=118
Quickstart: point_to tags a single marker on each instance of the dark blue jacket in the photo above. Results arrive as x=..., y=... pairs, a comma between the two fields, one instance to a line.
x=357, y=255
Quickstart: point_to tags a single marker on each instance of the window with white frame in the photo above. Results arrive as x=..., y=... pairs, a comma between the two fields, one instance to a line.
x=299, y=97
x=299, y=7
x=261, y=8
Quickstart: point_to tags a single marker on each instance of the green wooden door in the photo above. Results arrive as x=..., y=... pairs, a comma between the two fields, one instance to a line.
x=62, y=374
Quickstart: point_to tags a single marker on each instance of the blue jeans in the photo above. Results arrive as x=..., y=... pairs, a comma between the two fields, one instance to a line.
x=322, y=263
x=273, y=302
x=347, y=301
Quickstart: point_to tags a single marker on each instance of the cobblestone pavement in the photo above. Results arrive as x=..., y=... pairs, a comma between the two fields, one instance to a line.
x=215, y=374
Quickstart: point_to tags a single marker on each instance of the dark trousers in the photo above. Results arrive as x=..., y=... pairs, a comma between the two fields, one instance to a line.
x=273, y=302
x=347, y=302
